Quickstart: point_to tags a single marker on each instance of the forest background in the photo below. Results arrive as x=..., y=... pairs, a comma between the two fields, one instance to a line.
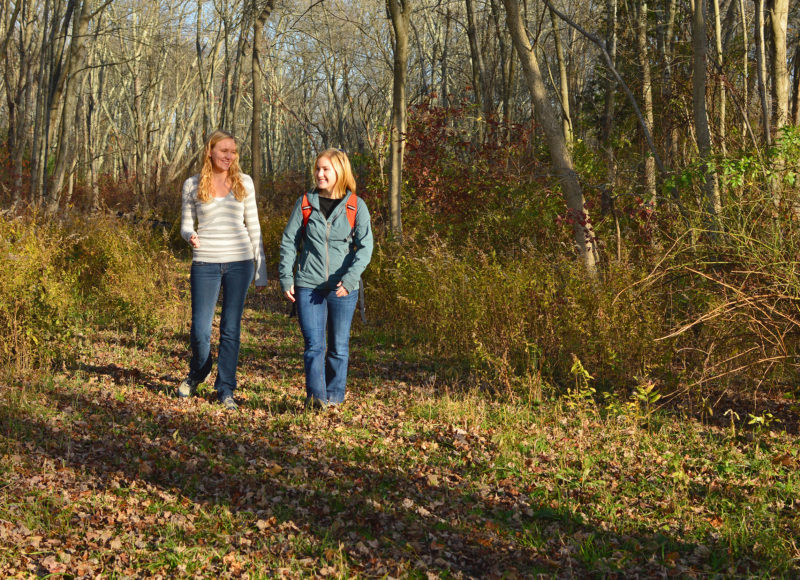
x=590, y=202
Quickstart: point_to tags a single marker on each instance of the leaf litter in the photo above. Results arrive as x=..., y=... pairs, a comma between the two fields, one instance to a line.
x=104, y=472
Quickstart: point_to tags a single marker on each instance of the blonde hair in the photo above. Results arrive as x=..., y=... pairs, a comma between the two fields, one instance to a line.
x=205, y=189
x=344, y=173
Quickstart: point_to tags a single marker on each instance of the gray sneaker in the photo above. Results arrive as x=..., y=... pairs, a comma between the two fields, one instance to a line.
x=187, y=388
x=229, y=403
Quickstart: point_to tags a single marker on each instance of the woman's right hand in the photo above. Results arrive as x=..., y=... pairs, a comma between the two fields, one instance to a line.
x=195, y=241
x=290, y=294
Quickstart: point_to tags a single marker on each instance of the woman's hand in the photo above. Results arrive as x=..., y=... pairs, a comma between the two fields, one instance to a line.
x=341, y=291
x=290, y=294
x=195, y=241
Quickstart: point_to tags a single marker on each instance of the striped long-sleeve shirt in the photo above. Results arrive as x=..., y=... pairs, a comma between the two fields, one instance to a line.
x=228, y=230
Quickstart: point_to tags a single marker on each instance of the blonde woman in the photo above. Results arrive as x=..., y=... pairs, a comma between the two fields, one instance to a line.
x=329, y=237
x=227, y=252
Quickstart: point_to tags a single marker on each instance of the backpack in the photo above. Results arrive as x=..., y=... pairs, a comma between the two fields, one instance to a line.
x=351, y=206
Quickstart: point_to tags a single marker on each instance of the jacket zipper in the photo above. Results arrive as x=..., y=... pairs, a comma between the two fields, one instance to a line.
x=327, y=250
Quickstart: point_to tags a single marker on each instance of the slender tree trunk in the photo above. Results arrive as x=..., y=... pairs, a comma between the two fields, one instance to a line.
x=745, y=64
x=666, y=34
x=647, y=102
x=607, y=193
x=400, y=12
x=479, y=81
x=699, y=47
x=761, y=59
x=39, y=149
x=796, y=87
x=73, y=82
x=560, y=155
x=720, y=74
x=235, y=86
x=779, y=19
x=506, y=66
x=563, y=82
x=258, y=90
x=445, y=46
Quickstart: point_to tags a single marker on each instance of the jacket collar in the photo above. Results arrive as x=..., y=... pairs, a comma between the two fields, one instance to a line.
x=313, y=199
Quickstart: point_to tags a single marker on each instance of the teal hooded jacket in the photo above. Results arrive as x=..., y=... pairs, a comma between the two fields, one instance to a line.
x=330, y=251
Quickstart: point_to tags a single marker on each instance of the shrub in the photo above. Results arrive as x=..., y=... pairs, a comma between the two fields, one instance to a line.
x=513, y=320
x=124, y=273
x=59, y=277
x=38, y=308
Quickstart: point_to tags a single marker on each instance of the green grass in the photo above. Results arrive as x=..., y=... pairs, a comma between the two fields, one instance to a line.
x=110, y=473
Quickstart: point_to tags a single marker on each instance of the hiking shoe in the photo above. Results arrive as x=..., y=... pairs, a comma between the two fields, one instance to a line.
x=229, y=403
x=314, y=404
x=187, y=388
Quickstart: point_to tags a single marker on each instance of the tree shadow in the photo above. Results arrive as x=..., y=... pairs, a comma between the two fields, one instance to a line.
x=358, y=497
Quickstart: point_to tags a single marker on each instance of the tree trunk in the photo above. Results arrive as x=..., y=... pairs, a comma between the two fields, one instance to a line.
x=745, y=62
x=40, y=125
x=720, y=74
x=74, y=75
x=479, y=81
x=607, y=193
x=667, y=57
x=647, y=103
x=506, y=67
x=779, y=18
x=796, y=87
x=400, y=12
x=258, y=90
x=563, y=82
x=761, y=59
x=699, y=47
x=445, y=90
x=560, y=155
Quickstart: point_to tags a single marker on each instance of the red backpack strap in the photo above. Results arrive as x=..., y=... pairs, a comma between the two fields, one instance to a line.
x=352, y=209
x=306, y=208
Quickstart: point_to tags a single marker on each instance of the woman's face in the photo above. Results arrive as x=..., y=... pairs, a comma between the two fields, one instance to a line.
x=222, y=155
x=325, y=175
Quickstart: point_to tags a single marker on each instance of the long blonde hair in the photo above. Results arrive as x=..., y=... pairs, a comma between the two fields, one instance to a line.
x=205, y=189
x=344, y=173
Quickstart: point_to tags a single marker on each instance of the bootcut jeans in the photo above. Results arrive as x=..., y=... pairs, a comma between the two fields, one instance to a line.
x=321, y=312
x=206, y=280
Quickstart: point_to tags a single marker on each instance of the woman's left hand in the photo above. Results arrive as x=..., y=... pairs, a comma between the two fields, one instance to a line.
x=341, y=291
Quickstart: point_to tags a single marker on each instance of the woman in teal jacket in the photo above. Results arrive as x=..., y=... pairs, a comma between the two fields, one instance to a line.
x=330, y=255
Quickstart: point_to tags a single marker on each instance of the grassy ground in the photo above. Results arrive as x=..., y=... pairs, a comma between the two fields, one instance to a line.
x=104, y=472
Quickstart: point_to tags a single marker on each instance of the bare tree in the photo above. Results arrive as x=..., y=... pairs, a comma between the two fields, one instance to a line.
x=719, y=73
x=400, y=13
x=699, y=48
x=563, y=81
x=560, y=155
x=647, y=100
x=779, y=19
x=761, y=70
x=479, y=77
x=261, y=14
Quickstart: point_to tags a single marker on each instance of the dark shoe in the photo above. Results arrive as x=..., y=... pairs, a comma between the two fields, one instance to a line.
x=314, y=404
x=187, y=388
x=229, y=403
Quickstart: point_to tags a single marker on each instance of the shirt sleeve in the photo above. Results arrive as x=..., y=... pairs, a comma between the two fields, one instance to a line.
x=188, y=210
x=254, y=230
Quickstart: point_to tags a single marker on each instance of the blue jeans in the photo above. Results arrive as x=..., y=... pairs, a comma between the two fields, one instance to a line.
x=326, y=369
x=206, y=279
